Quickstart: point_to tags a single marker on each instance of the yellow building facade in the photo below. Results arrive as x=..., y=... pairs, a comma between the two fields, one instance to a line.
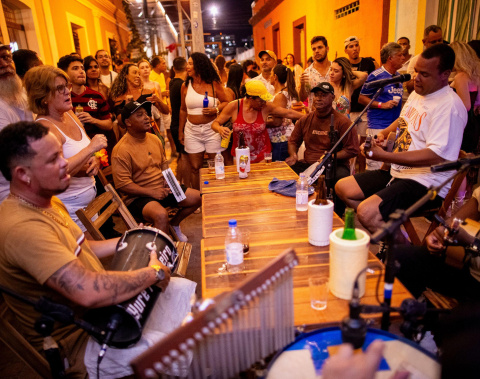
x=54, y=28
x=287, y=26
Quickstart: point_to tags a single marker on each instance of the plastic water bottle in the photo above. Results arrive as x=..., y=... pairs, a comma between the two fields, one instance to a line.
x=219, y=166
x=234, y=247
x=302, y=193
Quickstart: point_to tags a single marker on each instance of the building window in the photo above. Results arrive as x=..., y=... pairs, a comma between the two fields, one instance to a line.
x=15, y=27
x=76, y=39
x=347, y=9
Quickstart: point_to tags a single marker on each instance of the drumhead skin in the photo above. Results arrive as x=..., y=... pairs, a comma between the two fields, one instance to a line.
x=304, y=357
x=133, y=249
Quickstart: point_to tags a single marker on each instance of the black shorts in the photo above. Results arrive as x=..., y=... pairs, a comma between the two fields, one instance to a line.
x=397, y=194
x=137, y=205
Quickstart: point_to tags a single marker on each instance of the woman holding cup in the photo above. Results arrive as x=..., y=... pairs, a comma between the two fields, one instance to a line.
x=344, y=81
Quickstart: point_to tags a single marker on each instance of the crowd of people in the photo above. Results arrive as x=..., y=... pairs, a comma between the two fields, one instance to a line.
x=56, y=121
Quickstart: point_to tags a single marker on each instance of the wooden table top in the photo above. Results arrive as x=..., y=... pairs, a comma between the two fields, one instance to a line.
x=313, y=260
x=274, y=225
x=260, y=175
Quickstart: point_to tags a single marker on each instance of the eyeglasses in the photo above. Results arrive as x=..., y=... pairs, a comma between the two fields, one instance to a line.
x=62, y=89
x=7, y=58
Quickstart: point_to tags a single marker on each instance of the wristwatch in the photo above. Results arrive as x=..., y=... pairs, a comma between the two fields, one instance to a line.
x=159, y=272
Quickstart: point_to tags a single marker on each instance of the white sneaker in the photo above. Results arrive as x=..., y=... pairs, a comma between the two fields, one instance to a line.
x=181, y=237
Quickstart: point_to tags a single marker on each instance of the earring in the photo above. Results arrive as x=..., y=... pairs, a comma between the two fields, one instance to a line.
x=28, y=181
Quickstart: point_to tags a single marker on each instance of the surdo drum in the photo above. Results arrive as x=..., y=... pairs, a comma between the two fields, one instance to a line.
x=132, y=253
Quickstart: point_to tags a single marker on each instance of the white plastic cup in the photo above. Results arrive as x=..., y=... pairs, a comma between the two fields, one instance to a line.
x=397, y=99
x=320, y=221
x=347, y=259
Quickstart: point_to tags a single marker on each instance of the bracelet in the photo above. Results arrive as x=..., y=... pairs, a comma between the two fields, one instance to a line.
x=379, y=105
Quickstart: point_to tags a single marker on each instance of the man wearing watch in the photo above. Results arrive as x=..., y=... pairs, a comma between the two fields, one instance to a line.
x=423, y=267
x=53, y=259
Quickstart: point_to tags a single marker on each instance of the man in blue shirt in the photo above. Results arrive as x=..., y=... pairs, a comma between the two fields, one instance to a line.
x=388, y=105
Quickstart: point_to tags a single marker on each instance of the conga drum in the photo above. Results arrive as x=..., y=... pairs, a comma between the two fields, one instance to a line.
x=132, y=253
x=304, y=357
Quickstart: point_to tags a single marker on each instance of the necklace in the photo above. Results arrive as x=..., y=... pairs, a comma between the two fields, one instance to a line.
x=63, y=222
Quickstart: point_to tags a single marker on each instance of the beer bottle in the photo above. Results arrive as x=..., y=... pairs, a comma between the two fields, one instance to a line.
x=349, y=229
x=321, y=198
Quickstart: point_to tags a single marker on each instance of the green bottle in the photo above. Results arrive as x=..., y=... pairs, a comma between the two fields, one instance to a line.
x=349, y=229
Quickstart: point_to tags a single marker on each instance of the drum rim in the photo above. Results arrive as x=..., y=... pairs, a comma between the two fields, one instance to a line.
x=335, y=328
x=153, y=229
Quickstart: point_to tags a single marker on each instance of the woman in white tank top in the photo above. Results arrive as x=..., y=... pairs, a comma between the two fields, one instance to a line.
x=195, y=125
x=49, y=97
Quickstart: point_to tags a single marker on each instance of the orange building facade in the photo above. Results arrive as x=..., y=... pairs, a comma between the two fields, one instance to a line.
x=287, y=26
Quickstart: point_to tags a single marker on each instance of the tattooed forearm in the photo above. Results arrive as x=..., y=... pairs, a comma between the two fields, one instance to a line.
x=97, y=289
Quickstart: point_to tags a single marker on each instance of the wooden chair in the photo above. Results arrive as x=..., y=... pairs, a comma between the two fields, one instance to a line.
x=442, y=211
x=112, y=198
x=10, y=336
x=116, y=204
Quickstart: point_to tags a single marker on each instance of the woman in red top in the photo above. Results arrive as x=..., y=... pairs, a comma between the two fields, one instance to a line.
x=248, y=116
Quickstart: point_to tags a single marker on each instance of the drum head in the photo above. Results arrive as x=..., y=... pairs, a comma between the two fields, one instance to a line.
x=304, y=357
x=133, y=249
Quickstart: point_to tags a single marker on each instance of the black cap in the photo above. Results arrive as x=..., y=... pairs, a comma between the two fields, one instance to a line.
x=132, y=106
x=324, y=87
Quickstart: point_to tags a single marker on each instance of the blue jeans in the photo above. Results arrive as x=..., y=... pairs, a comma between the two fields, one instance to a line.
x=279, y=151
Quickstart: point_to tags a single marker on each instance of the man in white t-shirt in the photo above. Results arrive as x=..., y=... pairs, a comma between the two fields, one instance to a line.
x=268, y=60
x=429, y=131
x=107, y=76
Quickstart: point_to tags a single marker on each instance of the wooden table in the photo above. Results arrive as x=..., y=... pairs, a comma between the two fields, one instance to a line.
x=260, y=175
x=274, y=225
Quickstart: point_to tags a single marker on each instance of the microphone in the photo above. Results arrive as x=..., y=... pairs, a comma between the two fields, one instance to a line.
x=385, y=82
x=112, y=327
x=455, y=165
x=354, y=327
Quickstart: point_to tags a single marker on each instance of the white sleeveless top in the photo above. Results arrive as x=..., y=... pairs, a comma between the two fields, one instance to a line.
x=194, y=101
x=78, y=185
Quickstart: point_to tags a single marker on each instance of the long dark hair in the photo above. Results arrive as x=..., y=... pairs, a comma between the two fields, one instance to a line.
x=348, y=77
x=203, y=68
x=285, y=77
x=120, y=86
x=235, y=77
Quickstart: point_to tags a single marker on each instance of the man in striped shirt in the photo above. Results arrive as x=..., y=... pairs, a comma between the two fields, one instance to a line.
x=90, y=106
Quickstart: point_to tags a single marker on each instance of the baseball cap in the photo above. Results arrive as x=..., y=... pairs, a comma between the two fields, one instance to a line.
x=132, y=106
x=257, y=88
x=270, y=53
x=349, y=40
x=3, y=46
x=324, y=87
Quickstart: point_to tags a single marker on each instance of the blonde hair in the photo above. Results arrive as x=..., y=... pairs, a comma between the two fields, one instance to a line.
x=40, y=86
x=466, y=60
x=143, y=60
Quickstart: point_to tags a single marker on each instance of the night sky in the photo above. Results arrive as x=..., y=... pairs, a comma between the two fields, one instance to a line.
x=233, y=16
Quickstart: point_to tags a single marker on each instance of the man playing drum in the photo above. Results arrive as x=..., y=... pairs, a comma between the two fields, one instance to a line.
x=137, y=163
x=44, y=253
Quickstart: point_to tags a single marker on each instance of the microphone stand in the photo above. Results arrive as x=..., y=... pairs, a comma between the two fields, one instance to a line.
x=331, y=165
x=387, y=232
x=321, y=166
x=51, y=312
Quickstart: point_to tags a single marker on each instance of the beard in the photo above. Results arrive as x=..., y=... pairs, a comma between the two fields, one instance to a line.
x=320, y=60
x=11, y=91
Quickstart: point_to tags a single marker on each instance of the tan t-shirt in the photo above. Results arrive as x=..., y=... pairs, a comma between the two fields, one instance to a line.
x=140, y=162
x=33, y=246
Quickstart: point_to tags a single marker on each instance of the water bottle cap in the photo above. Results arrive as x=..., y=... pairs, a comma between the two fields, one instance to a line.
x=302, y=175
x=205, y=182
x=232, y=223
